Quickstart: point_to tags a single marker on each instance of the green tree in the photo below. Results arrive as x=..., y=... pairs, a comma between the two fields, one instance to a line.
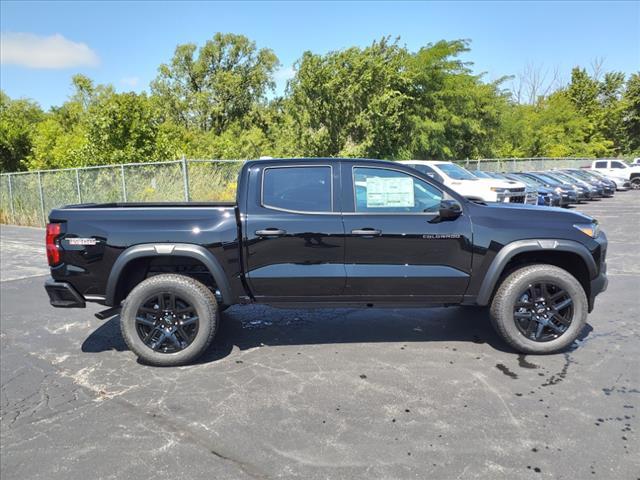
x=18, y=119
x=123, y=128
x=631, y=115
x=456, y=115
x=353, y=102
x=217, y=86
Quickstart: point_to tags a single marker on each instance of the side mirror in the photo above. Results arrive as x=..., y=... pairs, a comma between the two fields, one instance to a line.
x=449, y=210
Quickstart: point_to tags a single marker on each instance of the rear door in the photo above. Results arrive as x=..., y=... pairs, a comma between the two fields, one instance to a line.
x=294, y=236
x=395, y=248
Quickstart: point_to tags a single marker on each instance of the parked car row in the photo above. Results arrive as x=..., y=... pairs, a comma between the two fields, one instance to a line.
x=555, y=188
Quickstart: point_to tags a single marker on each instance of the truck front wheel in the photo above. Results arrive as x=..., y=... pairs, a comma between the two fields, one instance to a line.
x=169, y=319
x=539, y=309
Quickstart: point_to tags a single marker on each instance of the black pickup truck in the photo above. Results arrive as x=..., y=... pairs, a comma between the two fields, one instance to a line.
x=325, y=232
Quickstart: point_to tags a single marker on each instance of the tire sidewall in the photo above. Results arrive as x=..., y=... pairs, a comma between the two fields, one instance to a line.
x=518, y=283
x=185, y=288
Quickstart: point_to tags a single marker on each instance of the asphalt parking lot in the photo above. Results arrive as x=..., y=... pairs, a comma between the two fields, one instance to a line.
x=322, y=394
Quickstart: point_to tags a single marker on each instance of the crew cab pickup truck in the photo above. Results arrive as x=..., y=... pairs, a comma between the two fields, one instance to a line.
x=325, y=232
x=620, y=169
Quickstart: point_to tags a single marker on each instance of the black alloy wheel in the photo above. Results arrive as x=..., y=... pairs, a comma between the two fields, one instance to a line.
x=166, y=323
x=543, y=312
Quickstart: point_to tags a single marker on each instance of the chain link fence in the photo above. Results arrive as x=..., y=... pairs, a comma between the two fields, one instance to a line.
x=27, y=197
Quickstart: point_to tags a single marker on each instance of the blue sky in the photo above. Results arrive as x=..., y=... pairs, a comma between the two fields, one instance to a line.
x=45, y=43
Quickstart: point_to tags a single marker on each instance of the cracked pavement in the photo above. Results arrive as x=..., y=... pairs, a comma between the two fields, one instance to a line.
x=316, y=394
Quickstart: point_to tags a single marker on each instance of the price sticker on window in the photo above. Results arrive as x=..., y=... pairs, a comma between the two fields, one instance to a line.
x=390, y=192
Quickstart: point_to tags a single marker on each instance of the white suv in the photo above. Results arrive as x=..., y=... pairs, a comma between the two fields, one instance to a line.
x=468, y=185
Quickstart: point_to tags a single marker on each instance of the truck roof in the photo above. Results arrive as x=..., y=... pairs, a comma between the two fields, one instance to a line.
x=424, y=162
x=317, y=159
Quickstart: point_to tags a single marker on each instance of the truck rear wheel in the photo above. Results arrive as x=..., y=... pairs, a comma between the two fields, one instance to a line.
x=169, y=319
x=539, y=309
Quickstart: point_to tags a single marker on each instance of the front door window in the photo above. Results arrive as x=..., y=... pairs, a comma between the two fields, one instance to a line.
x=383, y=191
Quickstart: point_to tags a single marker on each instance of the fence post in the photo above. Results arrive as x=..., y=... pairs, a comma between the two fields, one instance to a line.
x=478, y=167
x=13, y=213
x=124, y=184
x=513, y=165
x=44, y=218
x=78, y=186
x=185, y=178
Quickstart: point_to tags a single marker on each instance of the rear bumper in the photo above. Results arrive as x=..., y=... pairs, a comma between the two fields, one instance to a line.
x=63, y=295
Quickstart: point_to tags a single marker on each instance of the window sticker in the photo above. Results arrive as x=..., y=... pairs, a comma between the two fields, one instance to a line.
x=390, y=192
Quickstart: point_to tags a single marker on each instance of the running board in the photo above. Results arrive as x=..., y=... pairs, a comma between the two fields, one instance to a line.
x=108, y=313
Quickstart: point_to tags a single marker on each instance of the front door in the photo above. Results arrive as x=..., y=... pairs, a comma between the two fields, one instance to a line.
x=294, y=236
x=395, y=248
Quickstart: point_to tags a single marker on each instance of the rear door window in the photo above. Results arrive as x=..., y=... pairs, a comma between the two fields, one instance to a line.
x=297, y=189
x=601, y=164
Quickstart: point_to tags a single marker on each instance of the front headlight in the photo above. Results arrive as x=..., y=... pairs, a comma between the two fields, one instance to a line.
x=558, y=190
x=498, y=189
x=591, y=229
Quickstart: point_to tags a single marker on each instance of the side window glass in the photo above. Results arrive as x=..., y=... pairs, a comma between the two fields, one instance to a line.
x=617, y=165
x=601, y=164
x=379, y=190
x=301, y=189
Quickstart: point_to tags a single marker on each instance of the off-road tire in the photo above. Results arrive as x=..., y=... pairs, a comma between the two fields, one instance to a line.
x=502, y=307
x=197, y=294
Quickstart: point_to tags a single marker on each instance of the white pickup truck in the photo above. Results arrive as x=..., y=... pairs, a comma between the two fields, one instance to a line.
x=468, y=185
x=620, y=169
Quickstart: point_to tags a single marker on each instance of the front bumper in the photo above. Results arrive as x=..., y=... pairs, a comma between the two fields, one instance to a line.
x=568, y=199
x=598, y=285
x=600, y=282
x=63, y=295
x=512, y=197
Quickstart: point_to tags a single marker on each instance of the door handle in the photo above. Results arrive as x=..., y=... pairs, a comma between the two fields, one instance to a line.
x=367, y=232
x=271, y=232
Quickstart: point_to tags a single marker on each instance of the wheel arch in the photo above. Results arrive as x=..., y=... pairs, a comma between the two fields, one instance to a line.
x=568, y=254
x=147, y=251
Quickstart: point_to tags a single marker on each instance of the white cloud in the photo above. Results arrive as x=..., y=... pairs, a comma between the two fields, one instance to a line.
x=33, y=51
x=130, y=81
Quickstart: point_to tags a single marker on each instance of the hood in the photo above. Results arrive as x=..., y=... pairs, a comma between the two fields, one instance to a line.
x=552, y=214
x=497, y=183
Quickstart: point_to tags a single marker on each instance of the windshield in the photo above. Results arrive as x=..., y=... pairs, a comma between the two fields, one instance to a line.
x=536, y=180
x=523, y=179
x=454, y=171
x=566, y=177
x=550, y=178
x=498, y=176
x=481, y=174
x=582, y=175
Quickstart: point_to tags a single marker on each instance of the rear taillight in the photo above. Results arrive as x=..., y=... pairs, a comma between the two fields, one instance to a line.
x=53, y=252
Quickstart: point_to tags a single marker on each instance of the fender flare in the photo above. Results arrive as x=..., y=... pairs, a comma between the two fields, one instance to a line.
x=196, y=252
x=512, y=249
